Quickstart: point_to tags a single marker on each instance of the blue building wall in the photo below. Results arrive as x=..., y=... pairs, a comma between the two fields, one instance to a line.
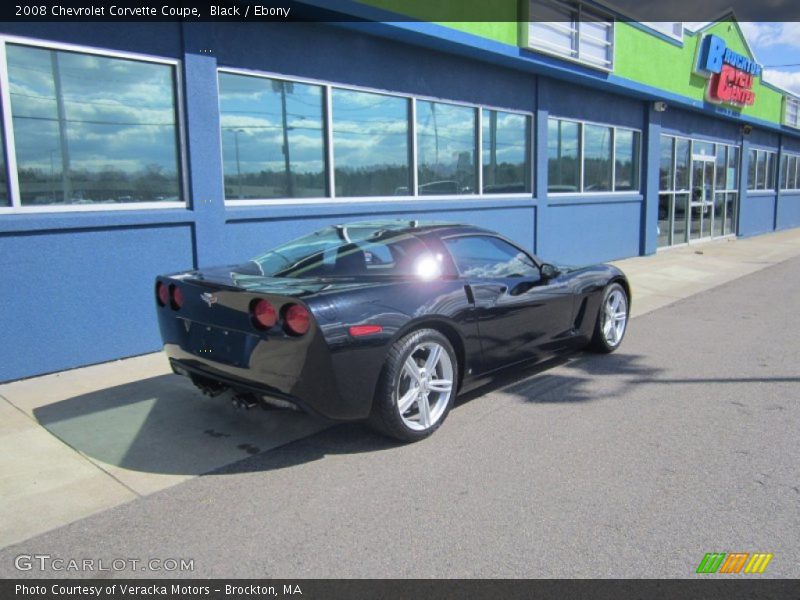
x=77, y=287
x=787, y=210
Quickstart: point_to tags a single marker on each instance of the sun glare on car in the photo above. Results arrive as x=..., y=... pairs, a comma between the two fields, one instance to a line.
x=428, y=267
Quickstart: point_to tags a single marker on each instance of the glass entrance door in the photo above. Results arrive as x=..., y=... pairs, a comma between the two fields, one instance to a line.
x=701, y=205
x=698, y=193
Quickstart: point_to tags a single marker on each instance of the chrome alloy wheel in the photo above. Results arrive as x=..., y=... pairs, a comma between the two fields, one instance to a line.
x=424, y=386
x=615, y=317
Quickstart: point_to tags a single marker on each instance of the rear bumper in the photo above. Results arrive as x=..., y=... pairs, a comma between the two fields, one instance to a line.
x=189, y=368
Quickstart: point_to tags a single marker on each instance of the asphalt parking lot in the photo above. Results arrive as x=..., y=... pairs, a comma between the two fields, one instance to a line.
x=630, y=465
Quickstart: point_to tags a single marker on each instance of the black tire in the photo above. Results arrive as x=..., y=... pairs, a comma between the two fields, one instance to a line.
x=599, y=342
x=385, y=416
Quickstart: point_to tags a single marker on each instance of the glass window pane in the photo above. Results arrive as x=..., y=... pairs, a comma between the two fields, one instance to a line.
x=721, y=167
x=791, y=181
x=594, y=42
x=557, y=36
x=260, y=118
x=682, y=155
x=5, y=199
x=626, y=157
x=91, y=129
x=505, y=152
x=553, y=28
x=752, y=156
x=665, y=171
x=594, y=51
x=485, y=256
x=733, y=168
x=370, y=144
x=784, y=165
x=352, y=252
x=596, y=158
x=681, y=210
x=703, y=148
x=761, y=170
x=563, y=156
x=445, y=148
x=664, y=212
x=770, y=171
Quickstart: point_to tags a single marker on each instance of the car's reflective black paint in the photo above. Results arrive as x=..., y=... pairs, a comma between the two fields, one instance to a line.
x=491, y=323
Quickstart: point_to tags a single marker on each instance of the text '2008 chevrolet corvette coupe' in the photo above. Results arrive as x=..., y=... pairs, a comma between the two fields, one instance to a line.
x=382, y=321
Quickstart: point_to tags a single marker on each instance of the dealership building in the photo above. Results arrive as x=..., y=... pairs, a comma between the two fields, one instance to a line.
x=133, y=149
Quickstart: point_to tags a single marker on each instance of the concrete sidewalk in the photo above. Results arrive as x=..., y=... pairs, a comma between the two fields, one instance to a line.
x=82, y=441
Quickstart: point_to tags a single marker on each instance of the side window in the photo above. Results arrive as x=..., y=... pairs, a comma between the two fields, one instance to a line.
x=487, y=256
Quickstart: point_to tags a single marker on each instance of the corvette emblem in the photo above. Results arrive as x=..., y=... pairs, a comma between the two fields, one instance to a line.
x=209, y=299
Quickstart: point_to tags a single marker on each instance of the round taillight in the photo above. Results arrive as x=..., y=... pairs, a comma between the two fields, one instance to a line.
x=177, y=296
x=297, y=319
x=162, y=294
x=263, y=313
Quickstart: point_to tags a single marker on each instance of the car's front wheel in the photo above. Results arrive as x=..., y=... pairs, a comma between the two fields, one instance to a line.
x=612, y=320
x=417, y=386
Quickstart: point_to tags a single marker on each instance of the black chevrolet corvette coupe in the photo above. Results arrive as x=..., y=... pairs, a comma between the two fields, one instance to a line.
x=382, y=321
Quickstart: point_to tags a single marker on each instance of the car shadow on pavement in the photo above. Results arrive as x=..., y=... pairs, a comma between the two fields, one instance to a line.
x=163, y=425
x=574, y=378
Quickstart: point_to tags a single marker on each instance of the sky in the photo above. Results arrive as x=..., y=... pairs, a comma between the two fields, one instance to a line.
x=776, y=44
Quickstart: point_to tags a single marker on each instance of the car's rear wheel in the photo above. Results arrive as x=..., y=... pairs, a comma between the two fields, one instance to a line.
x=417, y=386
x=612, y=320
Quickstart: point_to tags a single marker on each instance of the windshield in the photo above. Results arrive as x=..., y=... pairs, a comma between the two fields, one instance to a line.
x=349, y=251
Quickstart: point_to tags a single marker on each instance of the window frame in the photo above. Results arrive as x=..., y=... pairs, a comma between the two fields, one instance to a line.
x=787, y=100
x=759, y=186
x=574, y=26
x=787, y=156
x=330, y=167
x=15, y=205
x=613, y=142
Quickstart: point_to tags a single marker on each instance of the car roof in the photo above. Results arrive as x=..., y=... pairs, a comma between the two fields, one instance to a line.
x=415, y=227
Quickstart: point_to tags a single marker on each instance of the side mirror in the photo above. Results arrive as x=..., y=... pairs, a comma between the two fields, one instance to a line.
x=549, y=272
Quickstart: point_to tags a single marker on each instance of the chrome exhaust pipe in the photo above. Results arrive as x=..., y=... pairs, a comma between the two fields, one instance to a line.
x=269, y=402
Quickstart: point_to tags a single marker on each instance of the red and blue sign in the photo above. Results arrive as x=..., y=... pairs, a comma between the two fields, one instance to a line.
x=730, y=74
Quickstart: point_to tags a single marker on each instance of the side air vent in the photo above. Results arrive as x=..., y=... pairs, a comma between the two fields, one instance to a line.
x=580, y=315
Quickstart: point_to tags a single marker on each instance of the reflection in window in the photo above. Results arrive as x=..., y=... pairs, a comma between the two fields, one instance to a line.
x=761, y=170
x=488, y=257
x=770, y=168
x=563, y=156
x=665, y=170
x=789, y=177
x=583, y=157
x=682, y=158
x=733, y=168
x=626, y=160
x=370, y=144
x=720, y=183
x=791, y=113
x=91, y=129
x=505, y=152
x=597, y=158
x=4, y=196
x=272, y=138
x=445, y=148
